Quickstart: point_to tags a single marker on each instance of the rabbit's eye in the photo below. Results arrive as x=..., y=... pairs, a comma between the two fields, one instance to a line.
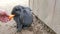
x=24, y=11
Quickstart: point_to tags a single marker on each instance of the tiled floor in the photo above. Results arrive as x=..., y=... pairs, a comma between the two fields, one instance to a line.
x=37, y=27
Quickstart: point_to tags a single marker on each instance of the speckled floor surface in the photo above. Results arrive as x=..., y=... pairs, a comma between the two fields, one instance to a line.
x=37, y=27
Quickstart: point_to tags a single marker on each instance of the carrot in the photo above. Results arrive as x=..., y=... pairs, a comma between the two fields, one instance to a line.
x=11, y=17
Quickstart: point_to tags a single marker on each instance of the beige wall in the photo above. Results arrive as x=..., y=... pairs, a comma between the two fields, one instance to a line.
x=48, y=11
x=56, y=17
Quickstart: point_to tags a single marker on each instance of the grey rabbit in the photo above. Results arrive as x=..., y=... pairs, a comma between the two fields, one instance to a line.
x=23, y=17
